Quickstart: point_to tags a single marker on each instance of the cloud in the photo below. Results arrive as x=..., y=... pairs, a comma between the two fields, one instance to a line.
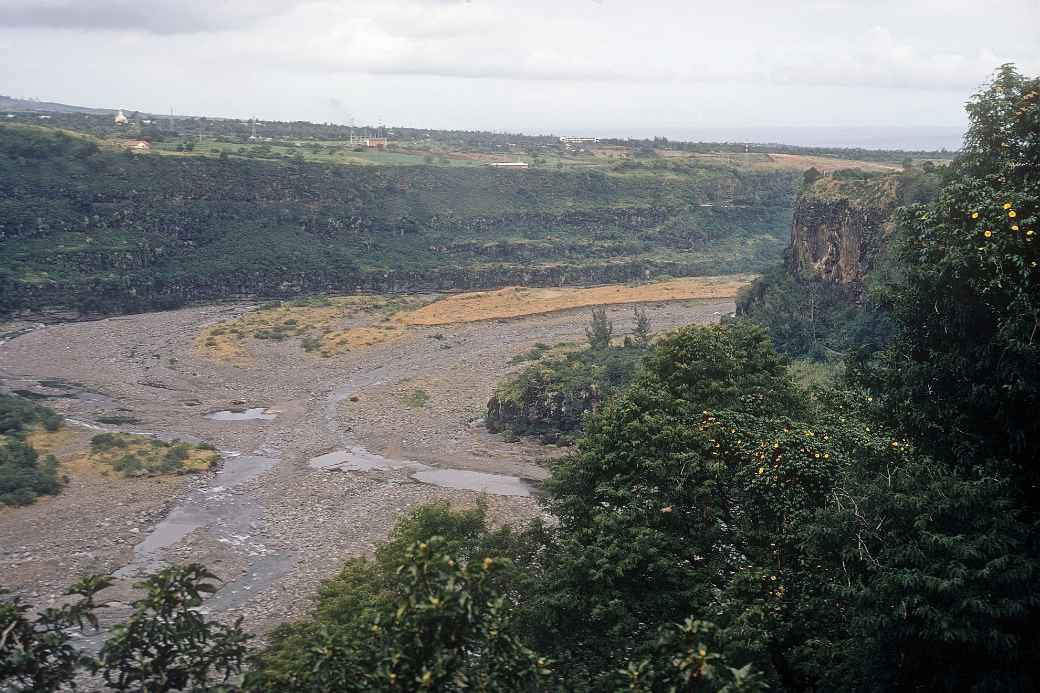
x=830, y=43
x=514, y=43
x=151, y=16
x=521, y=61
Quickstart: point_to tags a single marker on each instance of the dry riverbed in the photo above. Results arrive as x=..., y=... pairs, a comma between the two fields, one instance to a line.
x=401, y=413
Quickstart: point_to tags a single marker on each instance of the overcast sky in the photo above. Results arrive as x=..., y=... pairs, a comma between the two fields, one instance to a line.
x=528, y=65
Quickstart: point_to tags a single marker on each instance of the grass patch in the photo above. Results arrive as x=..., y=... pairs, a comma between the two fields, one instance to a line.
x=137, y=456
x=417, y=398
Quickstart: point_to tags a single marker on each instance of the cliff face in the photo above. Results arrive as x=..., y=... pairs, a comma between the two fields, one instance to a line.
x=839, y=228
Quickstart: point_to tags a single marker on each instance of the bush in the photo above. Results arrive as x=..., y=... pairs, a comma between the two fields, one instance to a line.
x=103, y=442
x=23, y=476
x=18, y=415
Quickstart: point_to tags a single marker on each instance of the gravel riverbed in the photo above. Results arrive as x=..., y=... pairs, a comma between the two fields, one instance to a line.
x=267, y=523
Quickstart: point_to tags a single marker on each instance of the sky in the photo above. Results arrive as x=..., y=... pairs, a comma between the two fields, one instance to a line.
x=538, y=66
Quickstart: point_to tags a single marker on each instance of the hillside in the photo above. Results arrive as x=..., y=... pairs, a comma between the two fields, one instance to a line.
x=92, y=229
x=11, y=103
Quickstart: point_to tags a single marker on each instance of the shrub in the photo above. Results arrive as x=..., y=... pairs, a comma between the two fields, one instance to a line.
x=18, y=414
x=103, y=442
x=23, y=476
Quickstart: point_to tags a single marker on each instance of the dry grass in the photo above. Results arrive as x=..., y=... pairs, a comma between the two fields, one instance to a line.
x=134, y=456
x=71, y=447
x=518, y=301
x=58, y=443
x=826, y=164
x=317, y=325
x=319, y=329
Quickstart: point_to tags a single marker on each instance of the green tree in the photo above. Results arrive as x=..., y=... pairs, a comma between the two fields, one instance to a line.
x=447, y=627
x=641, y=329
x=947, y=597
x=963, y=376
x=600, y=330
x=167, y=645
x=676, y=503
x=686, y=658
x=367, y=592
x=36, y=651
x=938, y=579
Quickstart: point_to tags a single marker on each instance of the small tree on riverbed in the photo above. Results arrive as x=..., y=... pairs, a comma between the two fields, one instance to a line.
x=601, y=329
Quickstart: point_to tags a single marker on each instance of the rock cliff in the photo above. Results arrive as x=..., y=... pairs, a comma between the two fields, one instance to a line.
x=839, y=228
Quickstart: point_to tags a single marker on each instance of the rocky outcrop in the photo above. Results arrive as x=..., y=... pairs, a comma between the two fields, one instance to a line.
x=839, y=229
x=548, y=417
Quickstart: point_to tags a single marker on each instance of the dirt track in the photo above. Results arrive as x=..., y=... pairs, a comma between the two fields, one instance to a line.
x=267, y=523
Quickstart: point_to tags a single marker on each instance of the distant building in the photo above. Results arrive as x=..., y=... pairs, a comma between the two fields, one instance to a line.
x=579, y=140
x=365, y=141
x=120, y=119
x=44, y=117
x=139, y=145
x=10, y=115
x=510, y=164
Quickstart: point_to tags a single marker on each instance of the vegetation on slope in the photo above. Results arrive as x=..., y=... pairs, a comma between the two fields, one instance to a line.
x=551, y=397
x=812, y=319
x=102, y=231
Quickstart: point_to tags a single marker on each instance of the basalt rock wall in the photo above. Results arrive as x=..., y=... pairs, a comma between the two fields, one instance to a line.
x=838, y=231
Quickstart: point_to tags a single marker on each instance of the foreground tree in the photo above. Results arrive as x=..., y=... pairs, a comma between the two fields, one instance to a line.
x=431, y=612
x=949, y=597
x=963, y=375
x=167, y=645
x=36, y=651
x=683, y=499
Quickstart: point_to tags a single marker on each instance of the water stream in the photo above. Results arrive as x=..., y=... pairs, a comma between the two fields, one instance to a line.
x=220, y=506
x=253, y=414
x=358, y=459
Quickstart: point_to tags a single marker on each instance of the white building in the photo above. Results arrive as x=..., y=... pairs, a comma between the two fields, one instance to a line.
x=121, y=119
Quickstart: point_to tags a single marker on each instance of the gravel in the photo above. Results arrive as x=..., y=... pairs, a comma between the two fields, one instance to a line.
x=272, y=538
